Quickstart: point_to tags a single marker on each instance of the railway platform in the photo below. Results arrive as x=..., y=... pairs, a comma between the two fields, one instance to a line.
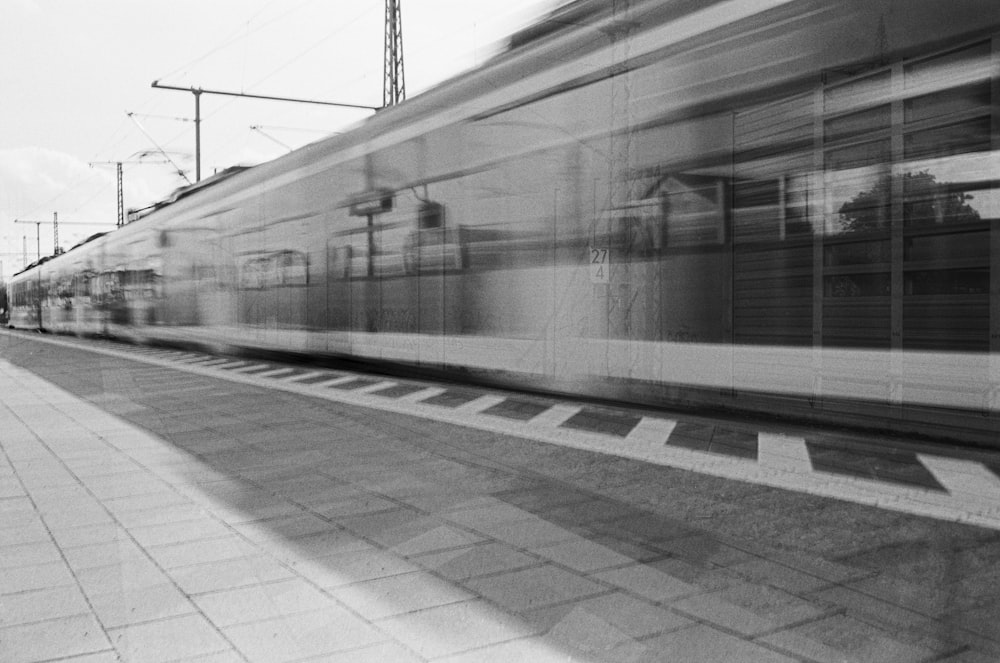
x=166, y=506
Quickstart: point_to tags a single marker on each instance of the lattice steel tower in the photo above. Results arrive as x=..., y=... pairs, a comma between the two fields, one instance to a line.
x=394, y=88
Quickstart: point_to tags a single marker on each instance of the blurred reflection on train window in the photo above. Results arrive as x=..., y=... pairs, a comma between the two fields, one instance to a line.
x=694, y=210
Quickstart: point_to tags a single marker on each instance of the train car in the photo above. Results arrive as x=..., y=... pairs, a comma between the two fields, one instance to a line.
x=773, y=206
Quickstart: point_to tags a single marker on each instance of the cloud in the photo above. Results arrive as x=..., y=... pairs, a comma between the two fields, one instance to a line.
x=38, y=180
x=27, y=6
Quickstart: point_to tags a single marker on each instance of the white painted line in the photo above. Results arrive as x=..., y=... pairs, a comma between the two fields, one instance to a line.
x=217, y=362
x=783, y=452
x=201, y=359
x=555, y=415
x=652, y=430
x=230, y=364
x=334, y=381
x=963, y=477
x=303, y=376
x=251, y=367
x=275, y=372
x=480, y=404
x=188, y=357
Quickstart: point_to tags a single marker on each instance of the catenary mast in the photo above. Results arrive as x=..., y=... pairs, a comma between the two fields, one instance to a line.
x=394, y=88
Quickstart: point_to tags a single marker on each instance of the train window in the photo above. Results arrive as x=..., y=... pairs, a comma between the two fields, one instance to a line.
x=947, y=103
x=858, y=188
x=851, y=96
x=955, y=68
x=282, y=268
x=857, y=253
x=291, y=268
x=974, y=281
x=875, y=284
x=948, y=248
x=969, y=136
x=857, y=124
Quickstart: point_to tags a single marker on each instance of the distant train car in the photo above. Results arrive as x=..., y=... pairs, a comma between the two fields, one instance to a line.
x=761, y=205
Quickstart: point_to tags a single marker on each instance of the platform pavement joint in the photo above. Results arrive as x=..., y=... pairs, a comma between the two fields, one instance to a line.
x=119, y=545
x=957, y=489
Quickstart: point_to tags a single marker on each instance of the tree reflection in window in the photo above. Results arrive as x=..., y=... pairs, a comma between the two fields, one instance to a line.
x=929, y=202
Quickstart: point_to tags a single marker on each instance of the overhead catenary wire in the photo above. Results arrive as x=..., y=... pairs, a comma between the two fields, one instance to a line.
x=162, y=151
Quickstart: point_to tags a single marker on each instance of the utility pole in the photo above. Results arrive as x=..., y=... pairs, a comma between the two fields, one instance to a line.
x=197, y=91
x=38, y=238
x=394, y=87
x=55, y=223
x=121, y=194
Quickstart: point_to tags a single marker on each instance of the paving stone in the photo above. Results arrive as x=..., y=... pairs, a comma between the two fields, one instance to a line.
x=648, y=582
x=179, y=532
x=32, y=532
x=161, y=516
x=117, y=551
x=142, y=605
x=454, y=628
x=540, y=499
x=262, y=601
x=229, y=574
x=774, y=574
x=88, y=535
x=870, y=609
x=355, y=566
x=840, y=637
x=285, y=527
x=705, y=549
x=302, y=635
x=583, y=555
x=35, y=576
x=321, y=544
x=633, y=617
x=164, y=640
x=41, y=604
x=57, y=638
x=352, y=507
x=77, y=517
x=496, y=513
x=703, y=644
x=776, y=606
x=128, y=576
x=395, y=595
x=913, y=594
x=202, y=551
x=408, y=533
x=705, y=577
x=27, y=554
x=107, y=656
x=473, y=561
x=534, y=587
x=385, y=652
x=534, y=533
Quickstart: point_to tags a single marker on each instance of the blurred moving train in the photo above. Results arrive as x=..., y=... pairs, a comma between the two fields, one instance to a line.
x=758, y=205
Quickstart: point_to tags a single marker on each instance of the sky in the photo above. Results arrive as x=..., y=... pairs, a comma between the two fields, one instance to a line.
x=72, y=72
